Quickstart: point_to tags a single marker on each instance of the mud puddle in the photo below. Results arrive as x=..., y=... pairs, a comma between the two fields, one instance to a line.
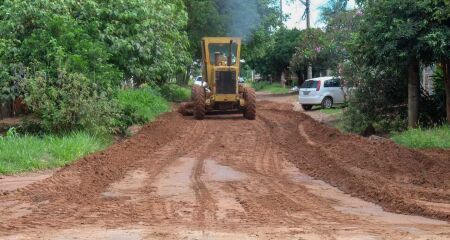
x=220, y=173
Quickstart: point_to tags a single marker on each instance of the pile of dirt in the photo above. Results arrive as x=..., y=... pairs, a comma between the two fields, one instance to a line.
x=399, y=179
x=80, y=184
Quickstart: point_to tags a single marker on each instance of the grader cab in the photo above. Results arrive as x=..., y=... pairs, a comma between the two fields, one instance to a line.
x=220, y=89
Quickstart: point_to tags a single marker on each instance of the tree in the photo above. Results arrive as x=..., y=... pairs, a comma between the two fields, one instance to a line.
x=340, y=25
x=313, y=49
x=398, y=33
x=285, y=45
x=76, y=53
x=437, y=39
x=275, y=58
x=332, y=9
x=143, y=39
x=204, y=21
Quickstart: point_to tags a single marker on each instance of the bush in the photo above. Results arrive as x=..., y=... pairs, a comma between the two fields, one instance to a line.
x=26, y=153
x=378, y=101
x=70, y=102
x=140, y=105
x=175, y=93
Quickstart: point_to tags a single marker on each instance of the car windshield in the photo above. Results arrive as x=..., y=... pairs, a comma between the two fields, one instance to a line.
x=310, y=84
x=223, y=51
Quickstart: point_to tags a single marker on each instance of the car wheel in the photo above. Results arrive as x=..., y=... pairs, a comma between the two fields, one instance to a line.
x=307, y=107
x=327, y=102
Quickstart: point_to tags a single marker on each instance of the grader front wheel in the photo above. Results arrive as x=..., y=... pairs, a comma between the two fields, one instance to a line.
x=250, y=102
x=198, y=99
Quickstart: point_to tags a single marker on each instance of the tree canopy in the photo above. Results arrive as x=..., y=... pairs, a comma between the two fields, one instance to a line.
x=66, y=58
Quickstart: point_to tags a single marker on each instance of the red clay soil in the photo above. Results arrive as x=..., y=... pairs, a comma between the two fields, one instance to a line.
x=399, y=179
x=160, y=177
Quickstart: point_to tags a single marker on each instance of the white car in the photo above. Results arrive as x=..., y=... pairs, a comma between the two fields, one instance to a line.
x=324, y=91
x=199, y=81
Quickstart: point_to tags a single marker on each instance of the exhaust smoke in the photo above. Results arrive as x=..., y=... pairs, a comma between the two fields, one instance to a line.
x=241, y=16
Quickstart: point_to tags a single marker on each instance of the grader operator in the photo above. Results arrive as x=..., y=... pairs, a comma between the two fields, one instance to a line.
x=220, y=89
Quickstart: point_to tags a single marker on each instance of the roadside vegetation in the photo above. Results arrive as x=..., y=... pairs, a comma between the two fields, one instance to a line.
x=274, y=88
x=26, y=149
x=335, y=111
x=20, y=153
x=176, y=93
x=437, y=137
x=141, y=105
x=81, y=86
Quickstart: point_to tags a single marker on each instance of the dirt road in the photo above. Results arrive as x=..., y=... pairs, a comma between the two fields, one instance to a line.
x=230, y=178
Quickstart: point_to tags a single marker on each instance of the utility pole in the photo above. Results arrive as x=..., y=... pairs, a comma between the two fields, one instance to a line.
x=307, y=4
x=307, y=14
x=281, y=7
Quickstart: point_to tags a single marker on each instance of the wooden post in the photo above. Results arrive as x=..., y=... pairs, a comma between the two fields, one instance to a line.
x=413, y=94
x=446, y=70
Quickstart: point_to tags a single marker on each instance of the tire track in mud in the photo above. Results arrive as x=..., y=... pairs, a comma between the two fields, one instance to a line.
x=363, y=167
x=286, y=189
x=205, y=212
x=160, y=209
x=156, y=208
x=281, y=129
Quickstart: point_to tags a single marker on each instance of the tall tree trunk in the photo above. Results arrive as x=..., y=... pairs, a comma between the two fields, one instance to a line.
x=446, y=70
x=413, y=93
x=310, y=72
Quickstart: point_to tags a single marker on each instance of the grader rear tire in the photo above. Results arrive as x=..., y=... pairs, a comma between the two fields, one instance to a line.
x=250, y=101
x=198, y=98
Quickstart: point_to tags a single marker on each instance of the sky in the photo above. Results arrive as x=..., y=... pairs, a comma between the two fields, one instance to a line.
x=296, y=9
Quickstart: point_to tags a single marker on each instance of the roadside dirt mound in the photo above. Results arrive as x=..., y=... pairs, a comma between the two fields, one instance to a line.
x=399, y=179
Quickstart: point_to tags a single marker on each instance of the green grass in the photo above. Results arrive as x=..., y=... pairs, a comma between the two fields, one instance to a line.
x=28, y=153
x=335, y=111
x=274, y=88
x=143, y=104
x=438, y=137
x=20, y=153
x=175, y=93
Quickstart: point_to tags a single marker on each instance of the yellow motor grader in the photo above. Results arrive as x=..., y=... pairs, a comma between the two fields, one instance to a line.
x=220, y=89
